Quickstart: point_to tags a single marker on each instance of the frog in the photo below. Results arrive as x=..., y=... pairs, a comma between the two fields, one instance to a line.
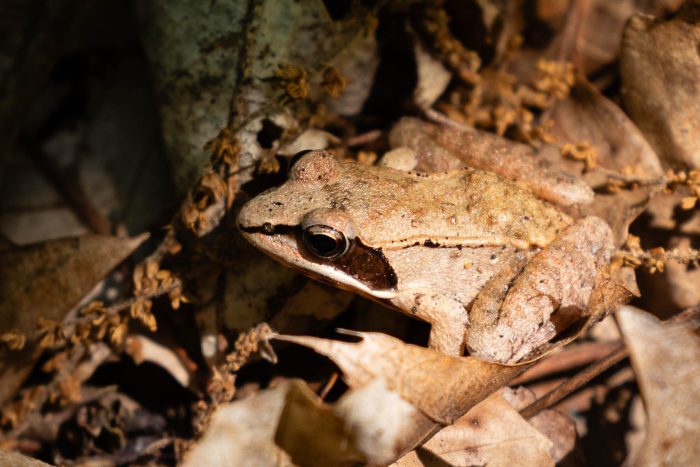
x=487, y=262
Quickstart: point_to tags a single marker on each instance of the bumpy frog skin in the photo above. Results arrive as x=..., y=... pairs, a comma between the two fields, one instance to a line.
x=428, y=245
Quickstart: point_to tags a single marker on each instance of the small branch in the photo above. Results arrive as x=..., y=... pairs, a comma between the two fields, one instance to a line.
x=568, y=359
x=571, y=385
x=689, y=315
x=442, y=119
x=328, y=386
x=363, y=138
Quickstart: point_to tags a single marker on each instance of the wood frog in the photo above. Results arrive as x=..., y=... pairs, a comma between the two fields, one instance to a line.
x=484, y=260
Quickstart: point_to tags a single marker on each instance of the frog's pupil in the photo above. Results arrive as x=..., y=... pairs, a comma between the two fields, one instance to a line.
x=325, y=242
x=324, y=245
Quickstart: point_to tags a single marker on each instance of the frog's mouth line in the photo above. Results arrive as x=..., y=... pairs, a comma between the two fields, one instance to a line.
x=362, y=269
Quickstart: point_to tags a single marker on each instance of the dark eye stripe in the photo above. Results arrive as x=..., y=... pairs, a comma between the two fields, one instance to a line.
x=366, y=265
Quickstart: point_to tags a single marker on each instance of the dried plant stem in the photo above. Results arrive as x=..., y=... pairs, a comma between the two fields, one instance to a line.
x=41, y=397
x=328, y=386
x=689, y=315
x=570, y=358
x=126, y=304
x=685, y=255
x=569, y=386
x=363, y=138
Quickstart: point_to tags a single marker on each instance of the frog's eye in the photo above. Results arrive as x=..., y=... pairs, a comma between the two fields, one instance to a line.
x=325, y=242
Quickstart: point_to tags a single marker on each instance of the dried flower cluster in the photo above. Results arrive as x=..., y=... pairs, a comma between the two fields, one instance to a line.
x=295, y=81
x=222, y=387
x=689, y=179
x=333, y=83
x=214, y=193
x=583, y=151
x=497, y=102
x=654, y=258
x=13, y=340
x=72, y=340
x=225, y=148
x=464, y=62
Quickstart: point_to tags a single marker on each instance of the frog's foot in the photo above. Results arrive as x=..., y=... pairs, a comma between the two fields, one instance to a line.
x=517, y=313
x=447, y=317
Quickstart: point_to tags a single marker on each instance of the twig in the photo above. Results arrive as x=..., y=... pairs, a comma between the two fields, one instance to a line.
x=688, y=315
x=328, y=386
x=51, y=387
x=568, y=359
x=442, y=119
x=364, y=138
x=569, y=386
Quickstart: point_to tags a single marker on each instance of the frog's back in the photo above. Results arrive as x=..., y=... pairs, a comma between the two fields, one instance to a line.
x=392, y=209
x=464, y=207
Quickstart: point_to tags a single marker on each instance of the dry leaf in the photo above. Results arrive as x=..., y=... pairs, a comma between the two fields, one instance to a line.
x=433, y=78
x=238, y=435
x=46, y=280
x=620, y=209
x=311, y=138
x=663, y=209
x=587, y=115
x=16, y=459
x=314, y=302
x=365, y=425
x=382, y=422
x=199, y=69
x=142, y=349
x=659, y=65
x=356, y=63
x=493, y=433
x=666, y=361
x=556, y=426
x=441, y=386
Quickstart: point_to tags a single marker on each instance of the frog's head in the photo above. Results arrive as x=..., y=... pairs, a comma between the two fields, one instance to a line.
x=302, y=224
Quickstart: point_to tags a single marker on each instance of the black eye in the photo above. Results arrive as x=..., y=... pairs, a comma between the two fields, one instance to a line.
x=325, y=242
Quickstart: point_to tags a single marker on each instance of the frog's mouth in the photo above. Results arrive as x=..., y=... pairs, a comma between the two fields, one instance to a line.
x=362, y=269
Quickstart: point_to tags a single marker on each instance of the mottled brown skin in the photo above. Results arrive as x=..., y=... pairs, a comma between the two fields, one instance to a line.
x=424, y=244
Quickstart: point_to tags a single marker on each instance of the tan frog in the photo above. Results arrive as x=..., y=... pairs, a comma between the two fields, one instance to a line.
x=462, y=250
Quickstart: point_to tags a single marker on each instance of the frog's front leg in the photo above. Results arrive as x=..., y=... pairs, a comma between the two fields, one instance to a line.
x=516, y=313
x=447, y=317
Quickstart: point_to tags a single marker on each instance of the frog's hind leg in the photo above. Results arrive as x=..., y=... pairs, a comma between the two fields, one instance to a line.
x=515, y=314
x=447, y=317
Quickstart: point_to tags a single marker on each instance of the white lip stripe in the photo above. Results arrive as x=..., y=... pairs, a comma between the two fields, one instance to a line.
x=297, y=262
x=341, y=278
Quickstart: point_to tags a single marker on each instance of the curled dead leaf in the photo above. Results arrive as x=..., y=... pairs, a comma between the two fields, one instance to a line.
x=665, y=358
x=492, y=433
x=44, y=281
x=665, y=109
x=441, y=386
